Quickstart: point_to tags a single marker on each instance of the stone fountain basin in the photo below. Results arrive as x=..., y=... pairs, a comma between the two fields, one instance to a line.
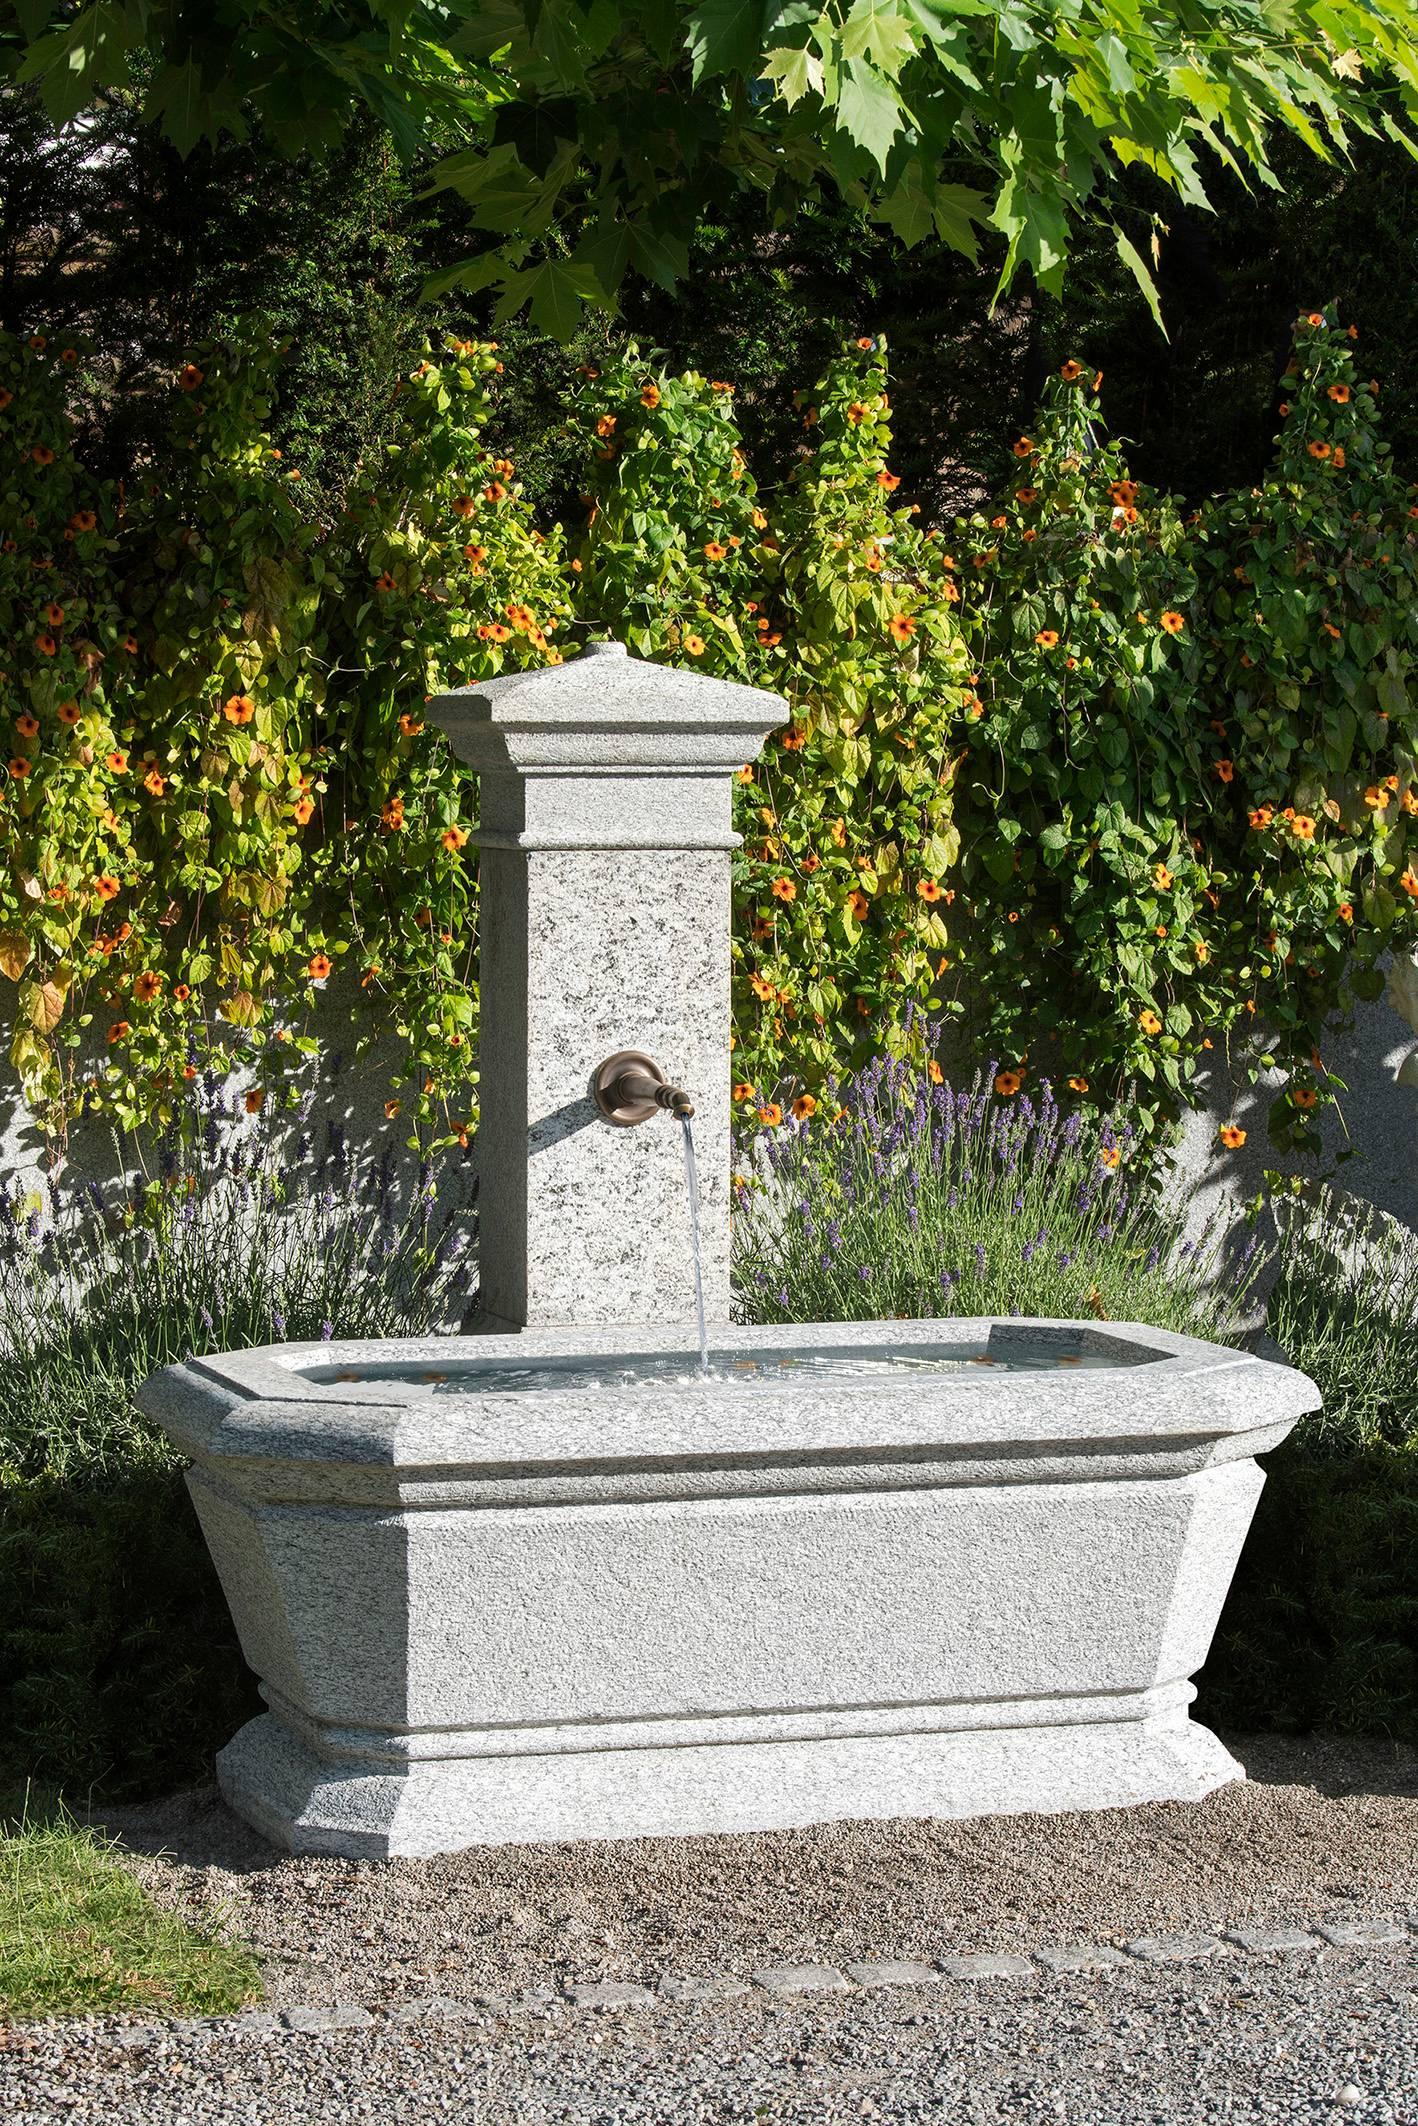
x=526, y=1587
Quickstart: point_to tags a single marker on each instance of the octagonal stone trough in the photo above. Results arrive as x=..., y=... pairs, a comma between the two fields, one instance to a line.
x=547, y=1591
x=554, y=1580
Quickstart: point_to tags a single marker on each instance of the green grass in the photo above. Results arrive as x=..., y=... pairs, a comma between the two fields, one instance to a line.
x=78, y=1936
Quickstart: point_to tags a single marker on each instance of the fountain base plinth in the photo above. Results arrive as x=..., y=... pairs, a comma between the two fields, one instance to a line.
x=1027, y=1759
x=568, y=1585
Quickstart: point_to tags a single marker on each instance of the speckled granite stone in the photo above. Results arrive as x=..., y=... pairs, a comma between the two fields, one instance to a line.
x=677, y=1607
x=605, y=835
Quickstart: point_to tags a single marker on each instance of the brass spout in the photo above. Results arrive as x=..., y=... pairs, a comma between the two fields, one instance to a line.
x=630, y=1087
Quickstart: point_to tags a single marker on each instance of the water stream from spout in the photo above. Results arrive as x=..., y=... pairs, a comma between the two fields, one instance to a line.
x=691, y=1182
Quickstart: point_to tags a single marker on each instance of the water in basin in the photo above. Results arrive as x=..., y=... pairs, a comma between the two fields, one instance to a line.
x=748, y=1369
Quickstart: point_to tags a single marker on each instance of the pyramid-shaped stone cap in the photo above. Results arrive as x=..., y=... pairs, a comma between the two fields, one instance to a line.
x=607, y=711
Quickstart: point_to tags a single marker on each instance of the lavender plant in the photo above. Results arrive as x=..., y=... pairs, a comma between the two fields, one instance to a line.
x=242, y=1233
x=903, y=1196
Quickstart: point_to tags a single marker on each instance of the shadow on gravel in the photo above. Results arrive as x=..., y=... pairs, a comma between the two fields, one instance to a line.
x=1334, y=1765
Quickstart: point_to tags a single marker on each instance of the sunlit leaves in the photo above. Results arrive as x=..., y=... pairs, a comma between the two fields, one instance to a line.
x=603, y=117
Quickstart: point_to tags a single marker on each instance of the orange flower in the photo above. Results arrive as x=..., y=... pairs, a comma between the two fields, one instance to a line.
x=181, y=992
x=650, y=396
x=118, y=1031
x=238, y=708
x=83, y=520
x=1339, y=461
x=255, y=1100
x=454, y=839
x=866, y=343
x=46, y=645
x=1173, y=623
x=19, y=769
x=1123, y=492
x=318, y=967
x=27, y=725
x=1375, y=798
x=1008, y=1082
x=901, y=627
x=804, y=1106
x=1225, y=770
x=463, y=505
x=783, y=889
x=1318, y=450
x=694, y=644
x=54, y=614
x=1110, y=1154
x=303, y=811
x=384, y=581
x=1078, y=1085
x=106, y=887
x=762, y=988
x=155, y=782
x=494, y=492
x=771, y=1115
x=1047, y=638
x=1024, y=448
x=499, y=632
x=69, y=713
x=392, y=814
x=743, y=1090
x=1026, y=495
x=1345, y=911
x=1303, y=826
x=1262, y=816
x=714, y=551
x=1340, y=394
x=1149, y=1022
x=928, y=889
x=1331, y=630
x=859, y=905
x=934, y=1072
x=147, y=987
x=190, y=377
x=1071, y=372
x=1304, y=1096
x=793, y=740
x=888, y=481
x=410, y=724
x=1409, y=884
x=477, y=555
x=1161, y=876
x=1232, y=1137
x=42, y=454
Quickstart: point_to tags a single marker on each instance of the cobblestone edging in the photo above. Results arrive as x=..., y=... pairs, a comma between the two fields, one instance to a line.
x=784, y=1981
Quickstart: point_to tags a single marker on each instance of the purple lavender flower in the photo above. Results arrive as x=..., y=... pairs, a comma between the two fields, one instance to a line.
x=327, y=1331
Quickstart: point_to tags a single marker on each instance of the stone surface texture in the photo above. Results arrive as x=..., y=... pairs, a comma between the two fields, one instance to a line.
x=695, y=1606
x=605, y=837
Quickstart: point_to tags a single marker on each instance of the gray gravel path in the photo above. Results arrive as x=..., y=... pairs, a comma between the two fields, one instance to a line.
x=1334, y=2037
x=509, y=1987
x=1322, y=1830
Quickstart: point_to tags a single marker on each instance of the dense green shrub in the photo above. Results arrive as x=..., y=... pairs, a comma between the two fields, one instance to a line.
x=1320, y=1629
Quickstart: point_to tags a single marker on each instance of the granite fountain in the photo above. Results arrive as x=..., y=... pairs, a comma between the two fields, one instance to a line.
x=559, y=1578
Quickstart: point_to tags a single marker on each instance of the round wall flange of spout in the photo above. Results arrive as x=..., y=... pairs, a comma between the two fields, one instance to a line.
x=630, y=1087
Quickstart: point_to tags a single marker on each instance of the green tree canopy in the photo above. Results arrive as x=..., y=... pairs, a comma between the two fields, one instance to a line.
x=589, y=138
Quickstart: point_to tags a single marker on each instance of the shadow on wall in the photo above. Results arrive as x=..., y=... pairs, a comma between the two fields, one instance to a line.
x=1376, y=1122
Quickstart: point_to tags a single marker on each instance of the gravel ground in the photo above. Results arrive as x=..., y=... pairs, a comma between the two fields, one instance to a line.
x=1322, y=1830
x=1331, y=2035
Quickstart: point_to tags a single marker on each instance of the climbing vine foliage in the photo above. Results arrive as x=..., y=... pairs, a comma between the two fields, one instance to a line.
x=1121, y=788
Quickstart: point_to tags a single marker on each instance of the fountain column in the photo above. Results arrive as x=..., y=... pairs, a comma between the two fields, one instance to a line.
x=606, y=838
